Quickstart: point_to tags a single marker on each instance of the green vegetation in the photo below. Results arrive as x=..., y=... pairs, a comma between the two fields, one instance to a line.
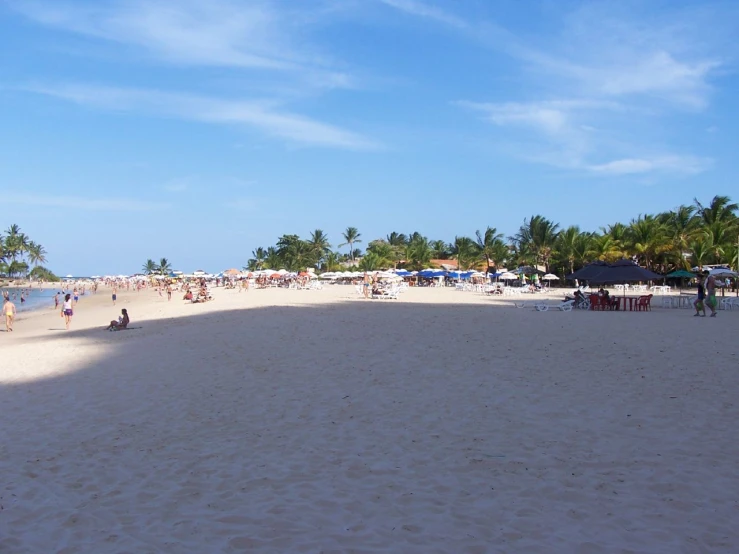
x=689, y=235
x=19, y=254
x=164, y=267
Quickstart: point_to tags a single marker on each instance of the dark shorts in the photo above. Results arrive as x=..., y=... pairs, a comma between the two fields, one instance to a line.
x=76, y=298
x=68, y=312
x=114, y=297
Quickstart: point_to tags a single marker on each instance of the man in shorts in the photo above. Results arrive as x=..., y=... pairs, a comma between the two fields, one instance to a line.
x=711, y=292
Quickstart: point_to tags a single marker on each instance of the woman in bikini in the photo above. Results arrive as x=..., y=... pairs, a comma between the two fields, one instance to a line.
x=122, y=322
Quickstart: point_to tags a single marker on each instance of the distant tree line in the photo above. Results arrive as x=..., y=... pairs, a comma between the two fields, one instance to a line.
x=22, y=257
x=689, y=235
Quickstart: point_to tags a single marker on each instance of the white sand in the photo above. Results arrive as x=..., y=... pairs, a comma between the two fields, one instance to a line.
x=310, y=421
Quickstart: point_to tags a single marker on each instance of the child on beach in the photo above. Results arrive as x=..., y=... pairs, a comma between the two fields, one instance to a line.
x=9, y=311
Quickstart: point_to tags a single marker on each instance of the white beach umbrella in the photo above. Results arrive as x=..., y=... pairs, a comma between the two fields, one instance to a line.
x=508, y=276
x=550, y=277
x=722, y=272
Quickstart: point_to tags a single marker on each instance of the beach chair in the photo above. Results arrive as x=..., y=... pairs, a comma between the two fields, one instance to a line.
x=644, y=304
x=565, y=306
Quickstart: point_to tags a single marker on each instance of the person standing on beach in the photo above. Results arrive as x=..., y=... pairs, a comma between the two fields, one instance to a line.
x=169, y=292
x=76, y=296
x=698, y=303
x=366, y=285
x=711, y=292
x=9, y=311
x=115, y=294
x=67, y=311
x=56, y=301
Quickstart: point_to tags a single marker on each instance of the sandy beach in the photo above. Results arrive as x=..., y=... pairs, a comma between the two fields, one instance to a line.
x=289, y=421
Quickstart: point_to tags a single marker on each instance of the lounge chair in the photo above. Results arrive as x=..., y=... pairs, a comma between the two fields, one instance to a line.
x=565, y=306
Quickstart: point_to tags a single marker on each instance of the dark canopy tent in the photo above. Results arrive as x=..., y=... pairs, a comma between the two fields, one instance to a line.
x=622, y=271
x=588, y=272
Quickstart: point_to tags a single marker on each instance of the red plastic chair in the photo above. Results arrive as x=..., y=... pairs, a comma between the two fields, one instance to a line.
x=644, y=304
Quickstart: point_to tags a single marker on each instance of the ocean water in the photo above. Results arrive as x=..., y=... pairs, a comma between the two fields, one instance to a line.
x=36, y=299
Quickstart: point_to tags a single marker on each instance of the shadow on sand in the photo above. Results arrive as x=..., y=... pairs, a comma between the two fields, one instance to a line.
x=381, y=425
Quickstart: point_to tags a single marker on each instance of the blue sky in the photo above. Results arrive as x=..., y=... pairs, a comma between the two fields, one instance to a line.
x=198, y=131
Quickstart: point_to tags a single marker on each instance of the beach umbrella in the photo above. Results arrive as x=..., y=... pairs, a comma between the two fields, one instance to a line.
x=588, y=272
x=681, y=273
x=508, y=276
x=722, y=272
x=624, y=271
x=550, y=277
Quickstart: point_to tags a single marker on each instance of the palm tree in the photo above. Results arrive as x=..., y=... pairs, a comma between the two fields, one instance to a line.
x=680, y=227
x=700, y=251
x=36, y=253
x=721, y=208
x=537, y=236
x=164, y=266
x=487, y=244
x=318, y=245
x=257, y=260
x=566, y=246
x=439, y=249
x=384, y=253
x=396, y=239
x=351, y=236
x=150, y=267
x=332, y=261
x=272, y=258
x=15, y=242
x=371, y=262
x=294, y=253
x=417, y=253
x=647, y=238
x=465, y=250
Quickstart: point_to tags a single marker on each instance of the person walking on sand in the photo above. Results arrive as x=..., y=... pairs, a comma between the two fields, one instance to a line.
x=711, y=292
x=115, y=294
x=698, y=303
x=67, y=311
x=366, y=285
x=9, y=311
x=56, y=301
x=169, y=292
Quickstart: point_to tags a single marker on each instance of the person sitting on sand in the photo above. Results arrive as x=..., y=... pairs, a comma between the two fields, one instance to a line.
x=122, y=322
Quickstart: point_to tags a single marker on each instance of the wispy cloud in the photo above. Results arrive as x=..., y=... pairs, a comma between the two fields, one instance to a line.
x=428, y=11
x=666, y=164
x=563, y=139
x=222, y=33
x=260, y=115
x=244, y=204
x=615, y=77
x=83, y=203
